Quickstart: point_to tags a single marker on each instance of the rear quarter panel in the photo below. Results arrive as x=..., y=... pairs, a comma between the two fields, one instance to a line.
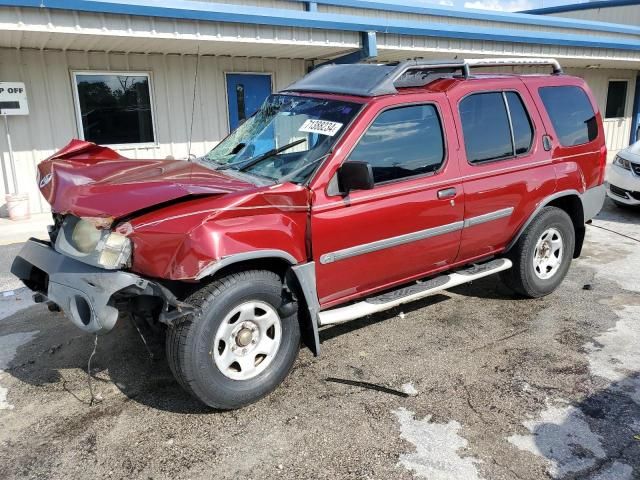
x=577, y=167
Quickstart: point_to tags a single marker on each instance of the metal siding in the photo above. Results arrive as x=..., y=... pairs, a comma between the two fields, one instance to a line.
x=51, y=122
x=625, y=15
x=283, y=4
x=397, y=47
x=60, y=29
x=471, y=22
x=241, y=24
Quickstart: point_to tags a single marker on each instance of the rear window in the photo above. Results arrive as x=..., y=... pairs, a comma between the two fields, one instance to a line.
x=571, y=114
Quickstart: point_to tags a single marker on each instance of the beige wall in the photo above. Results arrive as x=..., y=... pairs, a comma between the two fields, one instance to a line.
x=52, y=120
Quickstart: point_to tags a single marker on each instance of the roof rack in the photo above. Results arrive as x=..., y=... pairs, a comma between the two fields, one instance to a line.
x=371, y=80
x=515, y=62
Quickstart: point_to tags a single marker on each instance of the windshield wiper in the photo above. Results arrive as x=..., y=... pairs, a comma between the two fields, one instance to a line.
x=264, y=156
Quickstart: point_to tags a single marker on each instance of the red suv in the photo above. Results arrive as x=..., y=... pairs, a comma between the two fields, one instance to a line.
x=359, y=188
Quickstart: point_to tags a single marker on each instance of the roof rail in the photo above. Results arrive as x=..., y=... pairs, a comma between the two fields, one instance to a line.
x=514, y=62
x=388, y=84
x=450, y=66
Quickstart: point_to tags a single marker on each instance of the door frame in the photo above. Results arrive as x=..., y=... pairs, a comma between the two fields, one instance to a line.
x=271, y=75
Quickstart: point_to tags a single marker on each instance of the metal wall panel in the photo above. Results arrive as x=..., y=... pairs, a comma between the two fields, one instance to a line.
x=52, y=122
x=629, y=15
x=284, y=4
x=506, y=25
x=64, y=30
x=398, y=47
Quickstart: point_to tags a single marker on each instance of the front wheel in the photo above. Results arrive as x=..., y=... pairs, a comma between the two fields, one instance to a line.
x=240, y=347
x=542, y=255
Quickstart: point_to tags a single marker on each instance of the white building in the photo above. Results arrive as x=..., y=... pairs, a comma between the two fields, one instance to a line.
x=122, y=73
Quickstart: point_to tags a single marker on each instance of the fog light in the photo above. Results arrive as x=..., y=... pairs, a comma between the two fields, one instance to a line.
x=116, y=251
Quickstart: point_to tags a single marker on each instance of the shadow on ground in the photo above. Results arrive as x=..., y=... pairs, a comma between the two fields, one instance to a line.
x=597, y=438
x=59, y=350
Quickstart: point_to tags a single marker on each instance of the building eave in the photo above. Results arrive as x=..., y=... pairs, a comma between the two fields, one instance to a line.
x=228, y=13
x=581, y=6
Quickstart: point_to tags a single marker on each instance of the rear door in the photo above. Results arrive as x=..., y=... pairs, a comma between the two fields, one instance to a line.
x=505, y=167
x=409, y=223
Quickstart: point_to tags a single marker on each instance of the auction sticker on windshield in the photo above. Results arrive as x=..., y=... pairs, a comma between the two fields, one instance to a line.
x=323, y=127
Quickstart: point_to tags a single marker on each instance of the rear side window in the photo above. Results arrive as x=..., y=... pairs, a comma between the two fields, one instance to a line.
x=522, y=129
x=402, y=142
x=493, y=132
x=571, y=114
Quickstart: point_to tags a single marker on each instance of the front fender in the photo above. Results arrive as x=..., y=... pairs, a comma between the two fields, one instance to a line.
x=194, y=239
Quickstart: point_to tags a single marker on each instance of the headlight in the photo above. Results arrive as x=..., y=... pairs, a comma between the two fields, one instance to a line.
x=622, y=162
x=79, y=238
x=115, y=251
x=85, y=236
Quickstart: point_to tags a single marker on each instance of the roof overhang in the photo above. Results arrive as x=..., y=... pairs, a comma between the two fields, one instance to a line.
x=187, y=27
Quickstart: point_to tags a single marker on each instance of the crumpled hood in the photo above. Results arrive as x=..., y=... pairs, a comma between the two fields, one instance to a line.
x=86, y=179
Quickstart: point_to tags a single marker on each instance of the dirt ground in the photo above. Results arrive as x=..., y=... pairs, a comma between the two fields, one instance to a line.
x=469, y=384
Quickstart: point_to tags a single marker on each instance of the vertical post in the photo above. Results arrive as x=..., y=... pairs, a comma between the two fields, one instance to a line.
x=11, y=159
x=635, y=116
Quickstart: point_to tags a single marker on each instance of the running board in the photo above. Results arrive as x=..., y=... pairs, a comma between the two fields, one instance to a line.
x=416, y=291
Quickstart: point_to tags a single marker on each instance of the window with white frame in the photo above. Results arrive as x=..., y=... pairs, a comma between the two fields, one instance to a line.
x=616, y=99
x=114, y=108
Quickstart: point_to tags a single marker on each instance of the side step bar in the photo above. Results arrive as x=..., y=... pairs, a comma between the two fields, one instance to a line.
x=416, y=291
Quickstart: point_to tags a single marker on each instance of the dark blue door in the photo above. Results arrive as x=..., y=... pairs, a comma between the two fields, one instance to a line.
x=245, y=92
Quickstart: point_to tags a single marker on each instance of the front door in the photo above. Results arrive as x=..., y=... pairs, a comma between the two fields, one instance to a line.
x=245, y=94
x=409, y=224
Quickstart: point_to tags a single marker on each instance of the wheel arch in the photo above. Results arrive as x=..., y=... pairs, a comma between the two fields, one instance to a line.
x=569, y=201
x=298, y=278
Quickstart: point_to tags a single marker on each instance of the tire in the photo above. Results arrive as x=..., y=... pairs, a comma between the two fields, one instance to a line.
x=537, y=279
x=201, y=349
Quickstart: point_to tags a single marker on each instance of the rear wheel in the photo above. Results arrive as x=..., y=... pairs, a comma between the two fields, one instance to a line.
x=240, y=347
x=542, y=255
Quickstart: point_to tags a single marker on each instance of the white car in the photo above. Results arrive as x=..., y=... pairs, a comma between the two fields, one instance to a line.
x=623, y=177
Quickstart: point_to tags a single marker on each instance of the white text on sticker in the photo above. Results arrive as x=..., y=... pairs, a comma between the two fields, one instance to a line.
x=323, y=127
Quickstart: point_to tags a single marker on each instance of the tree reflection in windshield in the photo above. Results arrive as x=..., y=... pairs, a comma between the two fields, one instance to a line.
x=311, y=124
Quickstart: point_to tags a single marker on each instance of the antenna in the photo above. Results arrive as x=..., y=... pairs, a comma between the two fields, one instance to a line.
x=193, y=102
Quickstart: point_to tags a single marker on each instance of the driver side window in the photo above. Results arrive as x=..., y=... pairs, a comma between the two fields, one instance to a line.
x=402, y=142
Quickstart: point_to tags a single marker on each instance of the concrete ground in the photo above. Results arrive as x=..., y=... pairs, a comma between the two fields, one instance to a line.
x=16, y=231
x=469, y=384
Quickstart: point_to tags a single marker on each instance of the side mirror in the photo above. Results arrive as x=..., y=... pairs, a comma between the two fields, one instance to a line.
x=355, y=176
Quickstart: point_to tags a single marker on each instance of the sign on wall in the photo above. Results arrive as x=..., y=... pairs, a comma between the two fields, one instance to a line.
x=13, y=99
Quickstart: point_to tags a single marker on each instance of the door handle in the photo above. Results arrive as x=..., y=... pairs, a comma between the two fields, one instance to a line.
x=447, y=193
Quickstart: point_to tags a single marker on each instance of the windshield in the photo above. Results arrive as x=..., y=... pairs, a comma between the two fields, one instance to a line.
x=287, y=139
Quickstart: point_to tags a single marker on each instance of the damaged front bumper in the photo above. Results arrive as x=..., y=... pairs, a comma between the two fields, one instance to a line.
x=88, y=295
